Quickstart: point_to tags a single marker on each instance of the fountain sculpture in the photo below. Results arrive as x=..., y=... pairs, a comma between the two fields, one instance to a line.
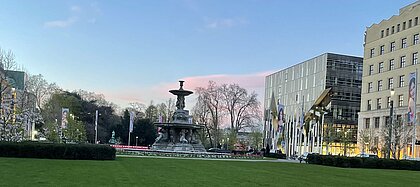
x=180, y=134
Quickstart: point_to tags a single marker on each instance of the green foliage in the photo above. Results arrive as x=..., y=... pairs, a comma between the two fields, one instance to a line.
x=145, y=131
x=57, y=151
x=75, y=131
x=355, y=162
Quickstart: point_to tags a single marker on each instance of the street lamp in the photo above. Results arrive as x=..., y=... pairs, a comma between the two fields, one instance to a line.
x=137, y=139
x=96, y=126
x=391, y=113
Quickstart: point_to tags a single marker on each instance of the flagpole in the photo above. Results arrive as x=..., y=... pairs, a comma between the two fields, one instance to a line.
x=414, y=123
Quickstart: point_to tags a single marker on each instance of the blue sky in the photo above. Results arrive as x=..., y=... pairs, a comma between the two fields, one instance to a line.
x=133, y=51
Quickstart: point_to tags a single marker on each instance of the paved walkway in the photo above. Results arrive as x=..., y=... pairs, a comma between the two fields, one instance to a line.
x=216, y=159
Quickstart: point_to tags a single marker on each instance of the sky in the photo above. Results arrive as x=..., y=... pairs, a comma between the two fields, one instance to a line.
x=135, y=50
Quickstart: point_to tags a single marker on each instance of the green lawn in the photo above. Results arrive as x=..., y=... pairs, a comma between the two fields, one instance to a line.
x=178, y=172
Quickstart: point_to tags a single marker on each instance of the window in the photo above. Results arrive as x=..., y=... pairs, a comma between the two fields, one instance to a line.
x=415, y=57
x=410, y=22
x=403, y=28
x=392, y=48
x=402, y=64
x=382, y=33
x=402, y=81
x=380, y=85
x=390, y=83
x=381, y=52
x=388, y=102
x=372, y=52
x=379, y=103
x=392, y=30
x=404, y=43
x=400, y=100
x=391, y=64
x=376, y=122
x=370, y=87
x=416, y=21
x=416, y=39
x=398, y=28
x=367, y=123
x=370, y=69
x=381, y=67
x=369, y=104
x=387, y=31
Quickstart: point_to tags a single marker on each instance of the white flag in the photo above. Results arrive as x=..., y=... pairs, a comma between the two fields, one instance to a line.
x=131, y=121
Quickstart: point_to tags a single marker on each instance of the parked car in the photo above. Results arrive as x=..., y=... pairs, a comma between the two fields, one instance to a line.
x=304, y=156
x=365, y=155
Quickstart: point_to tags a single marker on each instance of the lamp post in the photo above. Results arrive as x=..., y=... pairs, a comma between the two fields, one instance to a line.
x=96, y=126
x=391, y=113
x=137, y=138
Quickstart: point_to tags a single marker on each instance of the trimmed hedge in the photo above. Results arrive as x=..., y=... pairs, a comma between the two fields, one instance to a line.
x=356, y=162
x=57, y=151
x=275, y=155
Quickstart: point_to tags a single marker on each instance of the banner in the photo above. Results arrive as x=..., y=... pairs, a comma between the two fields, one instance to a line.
x=280, y=129
x=131, y=121
x=64, y=116
x=412, y=97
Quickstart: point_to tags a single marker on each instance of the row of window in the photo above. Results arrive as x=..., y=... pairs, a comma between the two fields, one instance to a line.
x=379, y=102
x=392, y=46
x=399, y=27
x=376, y=121
x=390, y=84
x=391, y=64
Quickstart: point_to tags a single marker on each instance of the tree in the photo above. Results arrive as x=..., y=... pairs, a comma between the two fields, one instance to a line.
x=211, y=98
x=42, y=90
x=151, y=112
x=75, y=131
x=145, y=131
x=243, y=109
x=201, y=115
x=256, y=139
x=367, y=142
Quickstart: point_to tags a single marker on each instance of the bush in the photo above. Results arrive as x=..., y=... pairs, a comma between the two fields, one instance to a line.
x=275, y=155
x=355, y=162
x=57, y=151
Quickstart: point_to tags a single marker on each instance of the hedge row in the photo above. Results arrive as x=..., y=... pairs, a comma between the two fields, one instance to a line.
x=275, y=155
x=356, y=162
x=57, y=151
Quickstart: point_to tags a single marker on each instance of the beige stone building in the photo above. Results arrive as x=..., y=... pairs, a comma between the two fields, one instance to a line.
x=390, y=54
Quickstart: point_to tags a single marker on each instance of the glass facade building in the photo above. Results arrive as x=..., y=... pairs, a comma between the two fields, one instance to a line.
x=302, y=84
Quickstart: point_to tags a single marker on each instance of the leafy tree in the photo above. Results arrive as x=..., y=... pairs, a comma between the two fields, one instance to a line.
x=145, y=131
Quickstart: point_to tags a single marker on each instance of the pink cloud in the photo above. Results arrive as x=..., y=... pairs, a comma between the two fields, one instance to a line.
x=160, y=92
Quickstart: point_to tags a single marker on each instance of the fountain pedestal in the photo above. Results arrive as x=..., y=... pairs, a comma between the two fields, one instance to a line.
x=180, y=134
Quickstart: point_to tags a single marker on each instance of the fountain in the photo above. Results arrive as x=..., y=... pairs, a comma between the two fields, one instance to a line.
x=180, y=134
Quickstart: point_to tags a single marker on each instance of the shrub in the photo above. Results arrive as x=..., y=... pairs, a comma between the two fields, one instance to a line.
x=275, y=155
x=57, y=151
x=355, y=162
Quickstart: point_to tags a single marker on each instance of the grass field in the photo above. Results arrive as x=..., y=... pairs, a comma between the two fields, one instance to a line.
x=178, y=172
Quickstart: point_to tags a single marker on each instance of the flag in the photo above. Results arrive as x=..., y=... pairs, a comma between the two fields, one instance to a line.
x=280, y=117
x=64, y=115
x=412, y=96
x=131, y=121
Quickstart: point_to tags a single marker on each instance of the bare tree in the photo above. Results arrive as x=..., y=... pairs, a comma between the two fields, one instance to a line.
x=42, y=90
x=242, y=108
x=211, y=98
x=200, y=113
x=138, y=108
x=366, y=139
x=170, y=107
